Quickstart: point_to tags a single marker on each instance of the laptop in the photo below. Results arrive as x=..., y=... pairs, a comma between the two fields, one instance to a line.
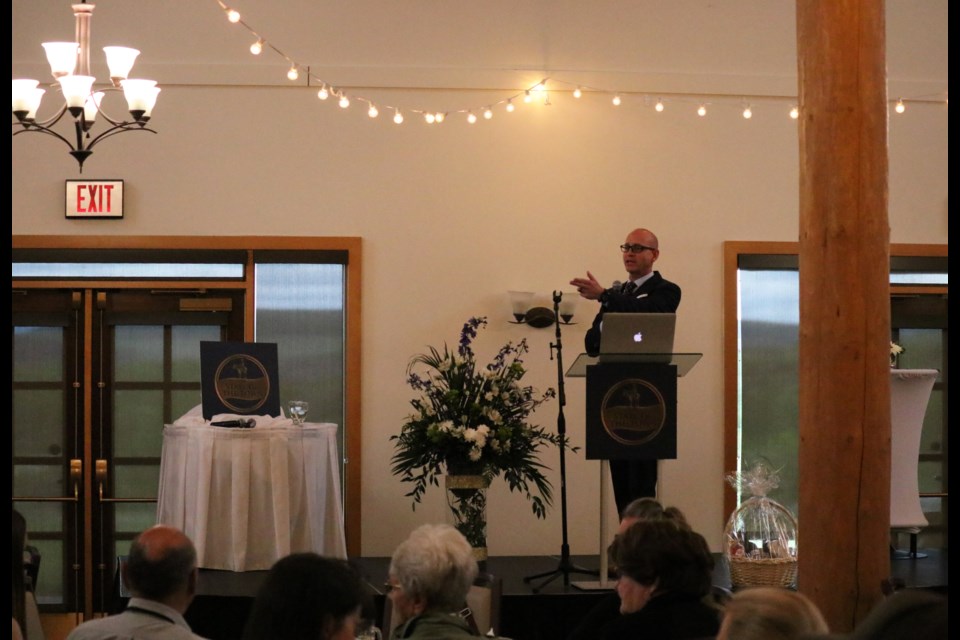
x=624, y=336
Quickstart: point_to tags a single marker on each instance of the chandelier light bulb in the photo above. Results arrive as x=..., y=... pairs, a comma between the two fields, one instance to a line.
x=747, y=112
x=471, y=117
x=702, y=110
x=397, y=116
x=577, y=92
x=293, y=74
x=323, y=94
x=794, y=112
x=487, y=113
x=900, y=108
x=659, y=105
x=510, y=106
x=344, y=102
x=257, y=47
x=616, y=100
x=233, y=16
x=372, y=111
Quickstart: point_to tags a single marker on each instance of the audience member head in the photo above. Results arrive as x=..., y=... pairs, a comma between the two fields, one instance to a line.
x=656, y=557
x=18, y=539
x=906, y=615
x=431, y=571
x=770, y=613
x=162, y=566
x=649, y=509
x=306, y=597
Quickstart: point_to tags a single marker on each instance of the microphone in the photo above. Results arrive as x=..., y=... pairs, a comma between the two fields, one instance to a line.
x=617, y=285
x=243, y=423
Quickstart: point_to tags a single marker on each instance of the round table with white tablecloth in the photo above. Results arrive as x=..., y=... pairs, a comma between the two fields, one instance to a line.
x=248, y=497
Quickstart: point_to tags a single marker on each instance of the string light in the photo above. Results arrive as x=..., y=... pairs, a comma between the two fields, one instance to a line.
x=440, y=117
x=325, y=90
x=372, y=111
x=430, y=118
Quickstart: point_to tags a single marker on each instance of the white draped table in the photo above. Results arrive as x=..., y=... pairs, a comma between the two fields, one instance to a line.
x=248, y=497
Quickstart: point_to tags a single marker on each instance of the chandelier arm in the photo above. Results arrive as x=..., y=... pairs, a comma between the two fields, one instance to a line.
x=118, y=128
x=49, y=122
x=34, y=128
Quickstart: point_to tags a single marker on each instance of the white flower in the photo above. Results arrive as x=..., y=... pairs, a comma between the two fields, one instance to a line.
x=493, y=415
x=446, y=426
x=474, y=454
x=895, y=349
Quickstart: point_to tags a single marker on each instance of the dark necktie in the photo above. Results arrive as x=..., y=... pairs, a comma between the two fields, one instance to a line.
x=629, y=288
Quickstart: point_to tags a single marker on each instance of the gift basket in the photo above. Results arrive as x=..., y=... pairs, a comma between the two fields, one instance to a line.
x=761, y=534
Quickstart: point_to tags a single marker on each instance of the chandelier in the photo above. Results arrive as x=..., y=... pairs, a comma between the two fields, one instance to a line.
x=70, y=66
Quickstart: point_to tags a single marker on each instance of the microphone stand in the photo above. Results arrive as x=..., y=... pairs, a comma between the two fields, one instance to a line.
x=566, y=567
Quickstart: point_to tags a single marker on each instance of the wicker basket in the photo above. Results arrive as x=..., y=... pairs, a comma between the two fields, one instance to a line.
x=767, y=572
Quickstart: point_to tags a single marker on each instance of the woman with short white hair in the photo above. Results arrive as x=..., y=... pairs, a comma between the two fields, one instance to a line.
x=430, y=574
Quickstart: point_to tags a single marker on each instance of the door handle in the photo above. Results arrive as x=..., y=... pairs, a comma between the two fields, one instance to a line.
x=76, y=476
x=100, y=471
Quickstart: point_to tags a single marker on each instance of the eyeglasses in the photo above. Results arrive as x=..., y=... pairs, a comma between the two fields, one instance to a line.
x=635, y=248
x=389, y=586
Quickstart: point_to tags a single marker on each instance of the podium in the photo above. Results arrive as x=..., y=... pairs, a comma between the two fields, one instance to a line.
x=631, y=414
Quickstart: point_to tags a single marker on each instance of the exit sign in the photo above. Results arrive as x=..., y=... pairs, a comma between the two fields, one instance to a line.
x=94, y=198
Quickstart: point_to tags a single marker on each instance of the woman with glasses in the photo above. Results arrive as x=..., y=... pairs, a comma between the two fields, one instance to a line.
x=430, y=574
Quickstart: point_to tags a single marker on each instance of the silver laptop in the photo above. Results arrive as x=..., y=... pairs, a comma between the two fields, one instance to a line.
x=623, y=336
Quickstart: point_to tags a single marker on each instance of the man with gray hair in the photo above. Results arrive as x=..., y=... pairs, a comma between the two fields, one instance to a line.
x=161, y=574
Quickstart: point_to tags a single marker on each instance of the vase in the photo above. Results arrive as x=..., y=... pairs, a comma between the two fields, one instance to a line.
x=467, y=499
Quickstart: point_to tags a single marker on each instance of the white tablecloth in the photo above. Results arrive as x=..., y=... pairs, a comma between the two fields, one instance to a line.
x=248, y=497
x=909, y=395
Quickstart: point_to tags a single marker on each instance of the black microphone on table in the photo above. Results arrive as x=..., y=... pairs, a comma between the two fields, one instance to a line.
x=243, y=423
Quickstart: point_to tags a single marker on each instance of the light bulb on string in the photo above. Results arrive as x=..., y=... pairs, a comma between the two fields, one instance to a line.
x=373, y=112
x=439, y=117
x=257, y=47
x=323, y=94
x=471, y=117
x=397, y=116
x=487, y=113
x=616, y=100
x=900, y=108
x=233, y=16
x=702, y=110
x=344, y=101
x=510, y=106
x=527, y=97
x=659, y=105
x=794, y=112
x=293, y=74
x=429, y=118
x=577, y=92
x=747, y=112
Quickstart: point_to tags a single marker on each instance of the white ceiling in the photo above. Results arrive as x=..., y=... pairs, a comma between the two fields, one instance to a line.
x=700, y=46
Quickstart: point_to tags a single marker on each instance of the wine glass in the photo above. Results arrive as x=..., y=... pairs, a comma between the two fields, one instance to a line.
x=298, y=411
x=367, y=630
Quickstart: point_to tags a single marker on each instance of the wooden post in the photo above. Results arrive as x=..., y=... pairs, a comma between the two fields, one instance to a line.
x=844, y=505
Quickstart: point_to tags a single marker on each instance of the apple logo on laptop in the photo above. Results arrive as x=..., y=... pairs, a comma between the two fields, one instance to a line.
x=638, y=336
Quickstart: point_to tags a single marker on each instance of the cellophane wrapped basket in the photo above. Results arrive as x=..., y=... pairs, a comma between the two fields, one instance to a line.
x=761, y=534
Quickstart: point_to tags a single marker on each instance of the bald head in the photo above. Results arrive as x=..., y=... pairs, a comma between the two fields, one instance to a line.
x=162, y=565
x=644, y=237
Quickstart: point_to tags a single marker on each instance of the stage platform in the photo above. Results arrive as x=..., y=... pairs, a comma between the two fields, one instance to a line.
x=224, y=597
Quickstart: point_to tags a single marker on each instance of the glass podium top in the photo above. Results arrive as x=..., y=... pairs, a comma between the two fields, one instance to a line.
x=683, y=361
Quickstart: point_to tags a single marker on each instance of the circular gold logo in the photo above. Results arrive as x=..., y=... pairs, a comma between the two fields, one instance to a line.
x=242, y=383
x=633, y=412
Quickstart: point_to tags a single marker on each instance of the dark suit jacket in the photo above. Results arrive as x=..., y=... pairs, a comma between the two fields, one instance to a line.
x=656, y=295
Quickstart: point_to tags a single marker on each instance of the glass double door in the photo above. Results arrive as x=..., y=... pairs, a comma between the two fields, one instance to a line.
x=97, y=372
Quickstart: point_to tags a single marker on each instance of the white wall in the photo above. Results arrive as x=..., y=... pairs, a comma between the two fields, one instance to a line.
x=453, y=215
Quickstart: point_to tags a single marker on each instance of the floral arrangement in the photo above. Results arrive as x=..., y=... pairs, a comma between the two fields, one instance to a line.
x=895, y=351
x=473, y=420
